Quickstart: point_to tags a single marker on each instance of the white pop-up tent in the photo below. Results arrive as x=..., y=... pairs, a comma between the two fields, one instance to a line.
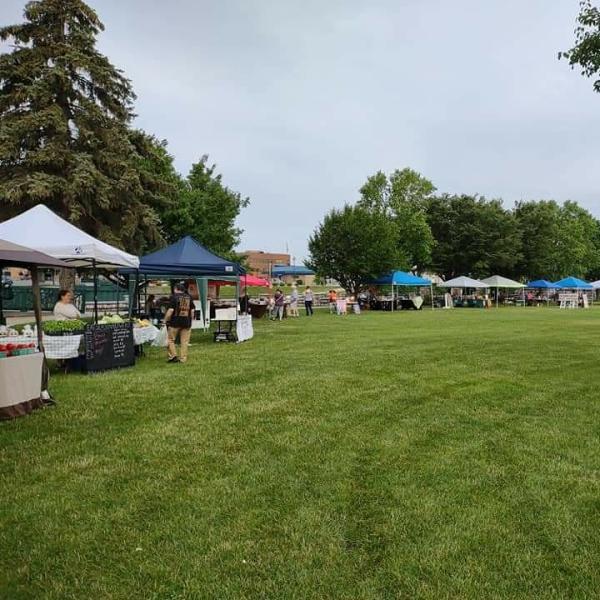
x=498, y=282
x=464, y=283
x=40, y=229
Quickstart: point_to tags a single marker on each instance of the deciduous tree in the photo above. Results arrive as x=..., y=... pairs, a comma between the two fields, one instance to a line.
x=355, y=245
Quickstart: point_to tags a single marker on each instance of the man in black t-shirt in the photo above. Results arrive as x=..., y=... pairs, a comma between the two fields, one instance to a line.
x=179, y=322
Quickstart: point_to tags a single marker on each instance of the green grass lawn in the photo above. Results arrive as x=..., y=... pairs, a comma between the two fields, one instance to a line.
x=447, y=454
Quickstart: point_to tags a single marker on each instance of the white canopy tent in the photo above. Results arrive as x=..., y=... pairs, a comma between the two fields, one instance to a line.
x=464, y=283
x=461, y=283
x=40, y=229
x=498, y=282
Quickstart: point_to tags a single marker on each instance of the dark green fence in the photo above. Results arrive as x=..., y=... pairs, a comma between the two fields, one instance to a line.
x=21, y=297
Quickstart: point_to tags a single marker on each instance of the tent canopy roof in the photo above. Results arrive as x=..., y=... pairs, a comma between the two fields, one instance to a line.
x=20, y=256
x=401, y=278
x=596, y=285
x=464, y=282
x=573, y=283
x=186, y=257
x=283, y=270
x=248, y=281
x=541, y=284
x=497, y=281
x=42, y=230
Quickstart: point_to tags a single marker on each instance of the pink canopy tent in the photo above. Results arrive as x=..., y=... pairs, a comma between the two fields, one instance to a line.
x=245, y=281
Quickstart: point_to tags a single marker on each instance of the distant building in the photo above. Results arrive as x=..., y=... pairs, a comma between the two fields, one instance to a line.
x=261, y=263
x=291, y=274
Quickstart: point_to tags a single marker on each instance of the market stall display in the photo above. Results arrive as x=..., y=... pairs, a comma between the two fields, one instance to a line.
x=187, y=259
x=498, y=282
x=402, y=279
x=466, y=283
x=43, y=230
x=24, y=375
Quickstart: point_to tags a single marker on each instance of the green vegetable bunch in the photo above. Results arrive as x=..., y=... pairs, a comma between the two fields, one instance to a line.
x=58, y=327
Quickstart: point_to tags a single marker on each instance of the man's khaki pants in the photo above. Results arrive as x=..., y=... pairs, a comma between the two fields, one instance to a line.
x=184, y=340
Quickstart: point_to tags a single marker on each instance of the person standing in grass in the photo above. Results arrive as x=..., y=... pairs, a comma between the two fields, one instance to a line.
x=332, y=297
x=294, y=301
x=179, y=323
x=308, y=301
x=279, y=299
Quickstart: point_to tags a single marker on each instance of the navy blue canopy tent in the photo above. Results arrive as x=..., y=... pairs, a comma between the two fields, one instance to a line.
x=403, y=279
x=188, y=259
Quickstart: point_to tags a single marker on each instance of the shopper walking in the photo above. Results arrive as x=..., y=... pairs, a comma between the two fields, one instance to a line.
x=308, y=301
x=179, y=323
x=332, y=297
x=279, y=305
x=294, y=301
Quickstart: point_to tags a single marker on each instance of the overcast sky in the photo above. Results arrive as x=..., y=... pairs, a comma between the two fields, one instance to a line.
x=298, y=102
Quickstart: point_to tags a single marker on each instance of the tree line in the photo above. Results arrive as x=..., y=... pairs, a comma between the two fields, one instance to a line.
x=67, y=140
x=401, y=222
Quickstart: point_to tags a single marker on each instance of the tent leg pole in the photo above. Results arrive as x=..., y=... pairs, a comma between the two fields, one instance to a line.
x=2, y=319
x=95, y=273
x=431, y=292
x=37, y=309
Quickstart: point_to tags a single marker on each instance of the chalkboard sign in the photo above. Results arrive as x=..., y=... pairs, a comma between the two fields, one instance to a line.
x=108, y=347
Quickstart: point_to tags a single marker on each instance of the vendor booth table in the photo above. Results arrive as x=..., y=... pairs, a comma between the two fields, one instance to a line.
x=24, y=377
x=401, y=279
x=20, y=385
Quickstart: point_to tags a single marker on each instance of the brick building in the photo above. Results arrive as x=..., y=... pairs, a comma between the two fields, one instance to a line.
x=261, y=263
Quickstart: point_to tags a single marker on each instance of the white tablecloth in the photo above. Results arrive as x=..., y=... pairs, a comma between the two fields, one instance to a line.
x=56, y=346
x=244, y=328
x=142, y=335
x=20, y=379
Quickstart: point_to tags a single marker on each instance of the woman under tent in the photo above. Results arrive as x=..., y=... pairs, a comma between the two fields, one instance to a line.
x=41, y=229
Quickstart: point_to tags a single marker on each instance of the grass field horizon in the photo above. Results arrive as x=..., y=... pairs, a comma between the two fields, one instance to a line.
x=439, y=454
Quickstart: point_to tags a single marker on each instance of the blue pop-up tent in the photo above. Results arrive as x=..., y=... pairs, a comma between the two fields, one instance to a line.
x=403, y=279
x=541, y=284
x=573, y=283
x=189, y=259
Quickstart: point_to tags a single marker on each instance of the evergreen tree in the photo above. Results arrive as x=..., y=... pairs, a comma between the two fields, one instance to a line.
x=65, y=140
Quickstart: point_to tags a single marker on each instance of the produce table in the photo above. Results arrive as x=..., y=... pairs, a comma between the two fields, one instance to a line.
x=20, y=385
x=63, y=347
x=56, y=346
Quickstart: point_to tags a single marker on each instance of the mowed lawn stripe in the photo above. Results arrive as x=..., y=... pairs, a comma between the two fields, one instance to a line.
x=432, y=454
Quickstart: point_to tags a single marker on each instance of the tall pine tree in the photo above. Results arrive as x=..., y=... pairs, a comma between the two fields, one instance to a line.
x=65, y=140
